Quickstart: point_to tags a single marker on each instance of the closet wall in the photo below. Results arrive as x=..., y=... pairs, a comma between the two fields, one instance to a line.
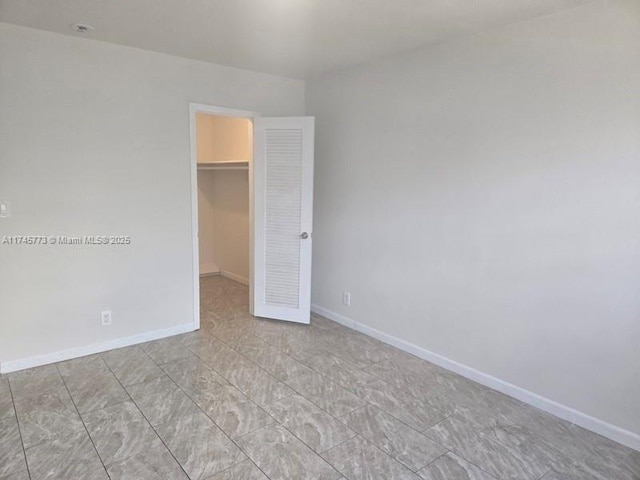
x=227, y=221
x=205, y=222
x=223, y=196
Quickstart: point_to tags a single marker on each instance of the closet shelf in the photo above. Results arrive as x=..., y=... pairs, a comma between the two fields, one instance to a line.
x=232, y=165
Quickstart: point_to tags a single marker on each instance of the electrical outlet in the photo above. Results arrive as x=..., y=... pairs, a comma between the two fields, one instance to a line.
x=105, y=318
x=346, y=298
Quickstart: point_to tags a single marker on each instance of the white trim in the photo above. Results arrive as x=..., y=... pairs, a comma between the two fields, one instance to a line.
x=209, y=269
x=615, y=433
x=15, y=365
x=235, y=277
x=193, y=156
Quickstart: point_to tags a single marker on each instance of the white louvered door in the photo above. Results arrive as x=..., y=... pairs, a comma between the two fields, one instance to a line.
x=282, y=221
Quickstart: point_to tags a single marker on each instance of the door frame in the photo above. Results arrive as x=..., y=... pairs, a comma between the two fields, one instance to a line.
x=195, y=108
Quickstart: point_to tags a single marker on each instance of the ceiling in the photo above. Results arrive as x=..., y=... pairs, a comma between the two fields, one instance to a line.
x=293, y=38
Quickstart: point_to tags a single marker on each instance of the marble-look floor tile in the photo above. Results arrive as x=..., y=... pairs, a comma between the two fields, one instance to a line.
x=46, y=417
x=79, y=372
x=452, y=467
x=23, y=475
x=416, y=413
x=422, y=380
x=194, y=376
x=120, y=431
x=203, y=344
x=401, y=442
x=485, y=452
x=326, y=394
x=315, y=427
x=258, y=385
x=166, y=350
x=233, y=327
x=359, y=460
x=354, y=348
x=6, y=401
x=199, y=445
x=332, y=368
x=91, y=383
x=524, y=441
x=104, y=391
x=342, y=372
x=224, y=360
x=152, y=464
x=233, y=412
x=35, y=382
x=575, y=475
x=598, y=456
x=281, y=366
x=11, y=452
x=131, y=365
x=246, y=470
x=65, y=458
x=160, y=400
x=282, y=456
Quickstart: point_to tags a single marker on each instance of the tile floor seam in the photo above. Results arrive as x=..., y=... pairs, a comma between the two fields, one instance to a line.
x=15, y=413
x=386, y=383
x=296, y=437
x=247, y=455
x=515, y=452
x=197, y=406
x=412, y=395
x=437, y=458
x=82, y=420
x=509, y=448
x=374, y=446
x=146, y=419
x=408, y=426
x=522, y=442
x=325, y=410
x=218, y=426
x=248, y=459
x=238, y=388
x=390, y=413
x=311, y=449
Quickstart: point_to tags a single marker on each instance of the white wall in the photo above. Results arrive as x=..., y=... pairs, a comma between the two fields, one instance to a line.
x=94, y=139
x=206, y=228
x=231, y=222
x=481, y=198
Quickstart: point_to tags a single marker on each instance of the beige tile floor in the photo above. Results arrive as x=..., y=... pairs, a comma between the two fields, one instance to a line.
x=252, y=399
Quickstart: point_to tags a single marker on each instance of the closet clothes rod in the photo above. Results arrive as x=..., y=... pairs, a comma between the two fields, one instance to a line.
x=230, y=165
x=224, y=168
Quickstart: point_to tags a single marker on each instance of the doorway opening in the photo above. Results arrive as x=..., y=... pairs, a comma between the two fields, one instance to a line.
x=252, y=207
x=222, y=154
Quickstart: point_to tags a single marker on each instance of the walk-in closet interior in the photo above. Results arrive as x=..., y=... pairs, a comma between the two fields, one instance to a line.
x=224, y=148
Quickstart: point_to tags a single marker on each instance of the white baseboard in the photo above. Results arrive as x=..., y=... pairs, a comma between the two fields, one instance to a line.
x=209, y=269
x=15, y=365
x=618, y=434
x=236, y=277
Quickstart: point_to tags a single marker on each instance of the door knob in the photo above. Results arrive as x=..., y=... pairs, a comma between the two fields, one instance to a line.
x=304, y=235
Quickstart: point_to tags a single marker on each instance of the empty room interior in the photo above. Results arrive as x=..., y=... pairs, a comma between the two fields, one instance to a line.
x=320, y=240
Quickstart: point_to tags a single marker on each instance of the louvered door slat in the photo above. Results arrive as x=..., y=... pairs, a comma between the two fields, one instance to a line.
x=283, y=169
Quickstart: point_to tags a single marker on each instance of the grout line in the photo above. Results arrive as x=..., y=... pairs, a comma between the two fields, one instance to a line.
x=205, y=413
x=435, y=459
x=81, y=419
x=144, y=416
x=460, y=454
x=259, y=406
x=213, y=421
x=15, y=413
